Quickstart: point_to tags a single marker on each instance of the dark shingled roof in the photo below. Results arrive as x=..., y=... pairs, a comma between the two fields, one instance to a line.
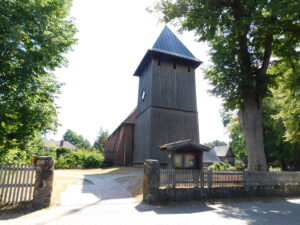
x=210, y=156
x=184, y=144
x=168, y=44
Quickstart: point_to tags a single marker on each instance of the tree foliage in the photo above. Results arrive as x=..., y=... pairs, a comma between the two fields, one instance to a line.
x=34, y=35
x=101, y=139
x=76, y=139
x=243, y=35
x=286, y=97
x=237, y=140
x=279, y=152
x=246, y=37
x=215, y=143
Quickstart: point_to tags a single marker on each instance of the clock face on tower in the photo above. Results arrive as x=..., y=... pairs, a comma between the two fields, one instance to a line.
x=143, y=95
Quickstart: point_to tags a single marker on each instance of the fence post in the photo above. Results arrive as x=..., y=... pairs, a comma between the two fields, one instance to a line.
x=173, y=172
x=44, y=171
x=202, y=178
x=196, y=177
x=151, y=181
x=209, y=178
x=245, y=180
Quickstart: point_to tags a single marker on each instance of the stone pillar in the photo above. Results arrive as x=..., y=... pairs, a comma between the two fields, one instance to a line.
x=151, y=181
x=44, y=169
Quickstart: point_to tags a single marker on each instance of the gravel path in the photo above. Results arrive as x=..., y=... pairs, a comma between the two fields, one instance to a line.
x=103, y=200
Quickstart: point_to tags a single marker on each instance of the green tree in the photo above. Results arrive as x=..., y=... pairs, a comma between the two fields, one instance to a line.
x=286, y=97
x=215, y=143
x=279, y=152
x=34, y=35
x=76, y=139
x=237, y=140
x=101, y=139
x=244, y=36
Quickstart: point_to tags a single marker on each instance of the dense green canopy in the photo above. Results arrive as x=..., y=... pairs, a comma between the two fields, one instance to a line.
x=34, y=35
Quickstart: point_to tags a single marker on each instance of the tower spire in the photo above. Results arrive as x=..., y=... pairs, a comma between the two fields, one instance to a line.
x=167, y=44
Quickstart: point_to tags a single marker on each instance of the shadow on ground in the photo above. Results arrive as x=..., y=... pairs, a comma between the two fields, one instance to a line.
x=183, y=208
x=12, y=211
x=259, y=211
x=267, y=212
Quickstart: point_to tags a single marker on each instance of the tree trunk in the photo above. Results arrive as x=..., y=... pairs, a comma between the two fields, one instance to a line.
x=250, y=117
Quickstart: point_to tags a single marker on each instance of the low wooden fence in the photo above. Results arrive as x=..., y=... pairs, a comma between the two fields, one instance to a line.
x=162, y=185
x=207, y=178
x=16, y=183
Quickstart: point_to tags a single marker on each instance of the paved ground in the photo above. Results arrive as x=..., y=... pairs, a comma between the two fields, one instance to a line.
x=102, y=200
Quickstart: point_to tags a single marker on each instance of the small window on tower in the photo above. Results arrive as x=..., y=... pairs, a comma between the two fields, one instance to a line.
x=189, y=69
x=159, y=62
x=143, y=95
x=174, y=66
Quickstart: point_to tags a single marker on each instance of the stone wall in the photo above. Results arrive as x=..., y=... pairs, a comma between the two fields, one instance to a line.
x=199, y=194
x=152, y=193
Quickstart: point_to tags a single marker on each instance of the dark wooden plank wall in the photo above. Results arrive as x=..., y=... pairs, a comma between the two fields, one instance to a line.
x=169, y=126
x=173, y=88
x=169, y=111
x=142, y=137
x=128, y=145
x=145, y=83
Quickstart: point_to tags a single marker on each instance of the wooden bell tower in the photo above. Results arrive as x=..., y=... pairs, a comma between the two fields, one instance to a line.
x=167, y=106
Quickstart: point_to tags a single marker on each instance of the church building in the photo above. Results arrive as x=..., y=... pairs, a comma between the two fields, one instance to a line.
x=166, y=109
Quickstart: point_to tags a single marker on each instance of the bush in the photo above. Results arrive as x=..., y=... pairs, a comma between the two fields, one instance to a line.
x=274, y=169
x=221, y=166
x=107, y=162
x=93, y=161
x=13, y=156
x=62, y=151
x=83, y=158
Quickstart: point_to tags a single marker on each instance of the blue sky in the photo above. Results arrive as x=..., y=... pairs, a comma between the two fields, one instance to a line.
x=99, y=89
